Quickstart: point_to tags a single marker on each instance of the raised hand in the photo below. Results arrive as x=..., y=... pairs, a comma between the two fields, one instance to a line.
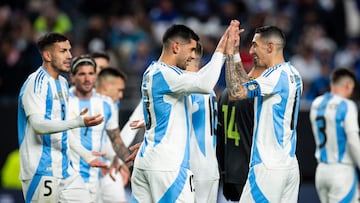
x=233, y=42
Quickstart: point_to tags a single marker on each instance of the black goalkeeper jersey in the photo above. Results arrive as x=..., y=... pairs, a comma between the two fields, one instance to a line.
x=235, y=132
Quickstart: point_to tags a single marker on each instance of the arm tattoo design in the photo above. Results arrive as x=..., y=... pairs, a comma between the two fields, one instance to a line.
x=235, y=76
x=118, y=144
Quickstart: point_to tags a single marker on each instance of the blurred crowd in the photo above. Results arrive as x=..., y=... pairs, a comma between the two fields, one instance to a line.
x=322, y=34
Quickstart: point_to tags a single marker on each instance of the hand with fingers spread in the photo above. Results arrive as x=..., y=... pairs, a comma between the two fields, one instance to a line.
x=91, y=120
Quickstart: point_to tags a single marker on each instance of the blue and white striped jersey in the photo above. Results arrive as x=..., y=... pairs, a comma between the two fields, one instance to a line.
x=203, y=161
x=334, y=121
x=165, y=90
x=45, y=154
x=92, y=138
x=277, y=100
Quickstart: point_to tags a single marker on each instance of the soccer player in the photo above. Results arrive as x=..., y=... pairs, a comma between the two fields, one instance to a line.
x=43, y=124
x=334, y=121
x=234, y=139
x=83, y=76
x=102, y=60
x=203, y=162
x=111, y=82
x=273, y=170
x=161, y=169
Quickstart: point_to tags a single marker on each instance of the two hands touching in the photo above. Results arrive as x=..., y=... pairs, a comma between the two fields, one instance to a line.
x=230, y=40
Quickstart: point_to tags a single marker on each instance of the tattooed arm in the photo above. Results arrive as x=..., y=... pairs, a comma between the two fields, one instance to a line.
x=118, y=144
x=235, y=74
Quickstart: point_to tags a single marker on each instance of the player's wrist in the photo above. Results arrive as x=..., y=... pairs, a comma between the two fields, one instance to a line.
x=234, y=57
x=237, y=58
x=81, y=121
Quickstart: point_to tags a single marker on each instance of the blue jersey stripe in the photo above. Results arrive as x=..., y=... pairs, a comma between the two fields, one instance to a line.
x=39, y=80
x=351, y=195
x=341, y=112
x=32, y=187
x=321, y=125
x=281, y=88
x=65, y=160
x=255, y=156
x=173, y=192
x=255, y=190
x=198, y=120
x=162, y=108
x=46, y=158
x=22, y=120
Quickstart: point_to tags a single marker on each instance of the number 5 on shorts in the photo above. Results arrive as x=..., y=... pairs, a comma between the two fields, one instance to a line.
x=48, y=189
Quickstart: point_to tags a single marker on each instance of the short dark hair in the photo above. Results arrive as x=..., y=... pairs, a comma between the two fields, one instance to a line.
x=269, y=31
x=180, y=31
x=81, y=60
x=340, y=73
x=49, y=39
x=111, y=71
x=100, y=54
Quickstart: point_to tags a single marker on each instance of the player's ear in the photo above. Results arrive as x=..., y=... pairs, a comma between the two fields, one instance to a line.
x=46, y=56
x=271, y=47
x=175, y=47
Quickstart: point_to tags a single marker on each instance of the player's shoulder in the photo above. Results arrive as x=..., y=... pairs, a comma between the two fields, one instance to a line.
x=39, y=76
x=351, y=103
x=167, y=69
x=37, y=81
x=103, y=97
x=63, y=80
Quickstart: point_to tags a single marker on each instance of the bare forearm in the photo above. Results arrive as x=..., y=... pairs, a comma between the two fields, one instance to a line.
x=118, y=144
x=235, y=76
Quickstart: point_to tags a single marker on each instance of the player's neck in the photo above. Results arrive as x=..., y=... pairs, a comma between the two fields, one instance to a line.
x=52, y=71
x=83, y=94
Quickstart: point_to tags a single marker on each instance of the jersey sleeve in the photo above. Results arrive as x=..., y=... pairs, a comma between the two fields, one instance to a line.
x=202, y=81
x=351, y=119
x=267, y=83
x=34, y=97
x=351, y=127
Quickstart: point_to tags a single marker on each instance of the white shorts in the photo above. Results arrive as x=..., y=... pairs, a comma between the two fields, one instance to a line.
x=162, y=186
x=336, y=183
x=112, y=191
x=93, y=188
x=206, y=190
x=271, y=185
x=52, y=189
